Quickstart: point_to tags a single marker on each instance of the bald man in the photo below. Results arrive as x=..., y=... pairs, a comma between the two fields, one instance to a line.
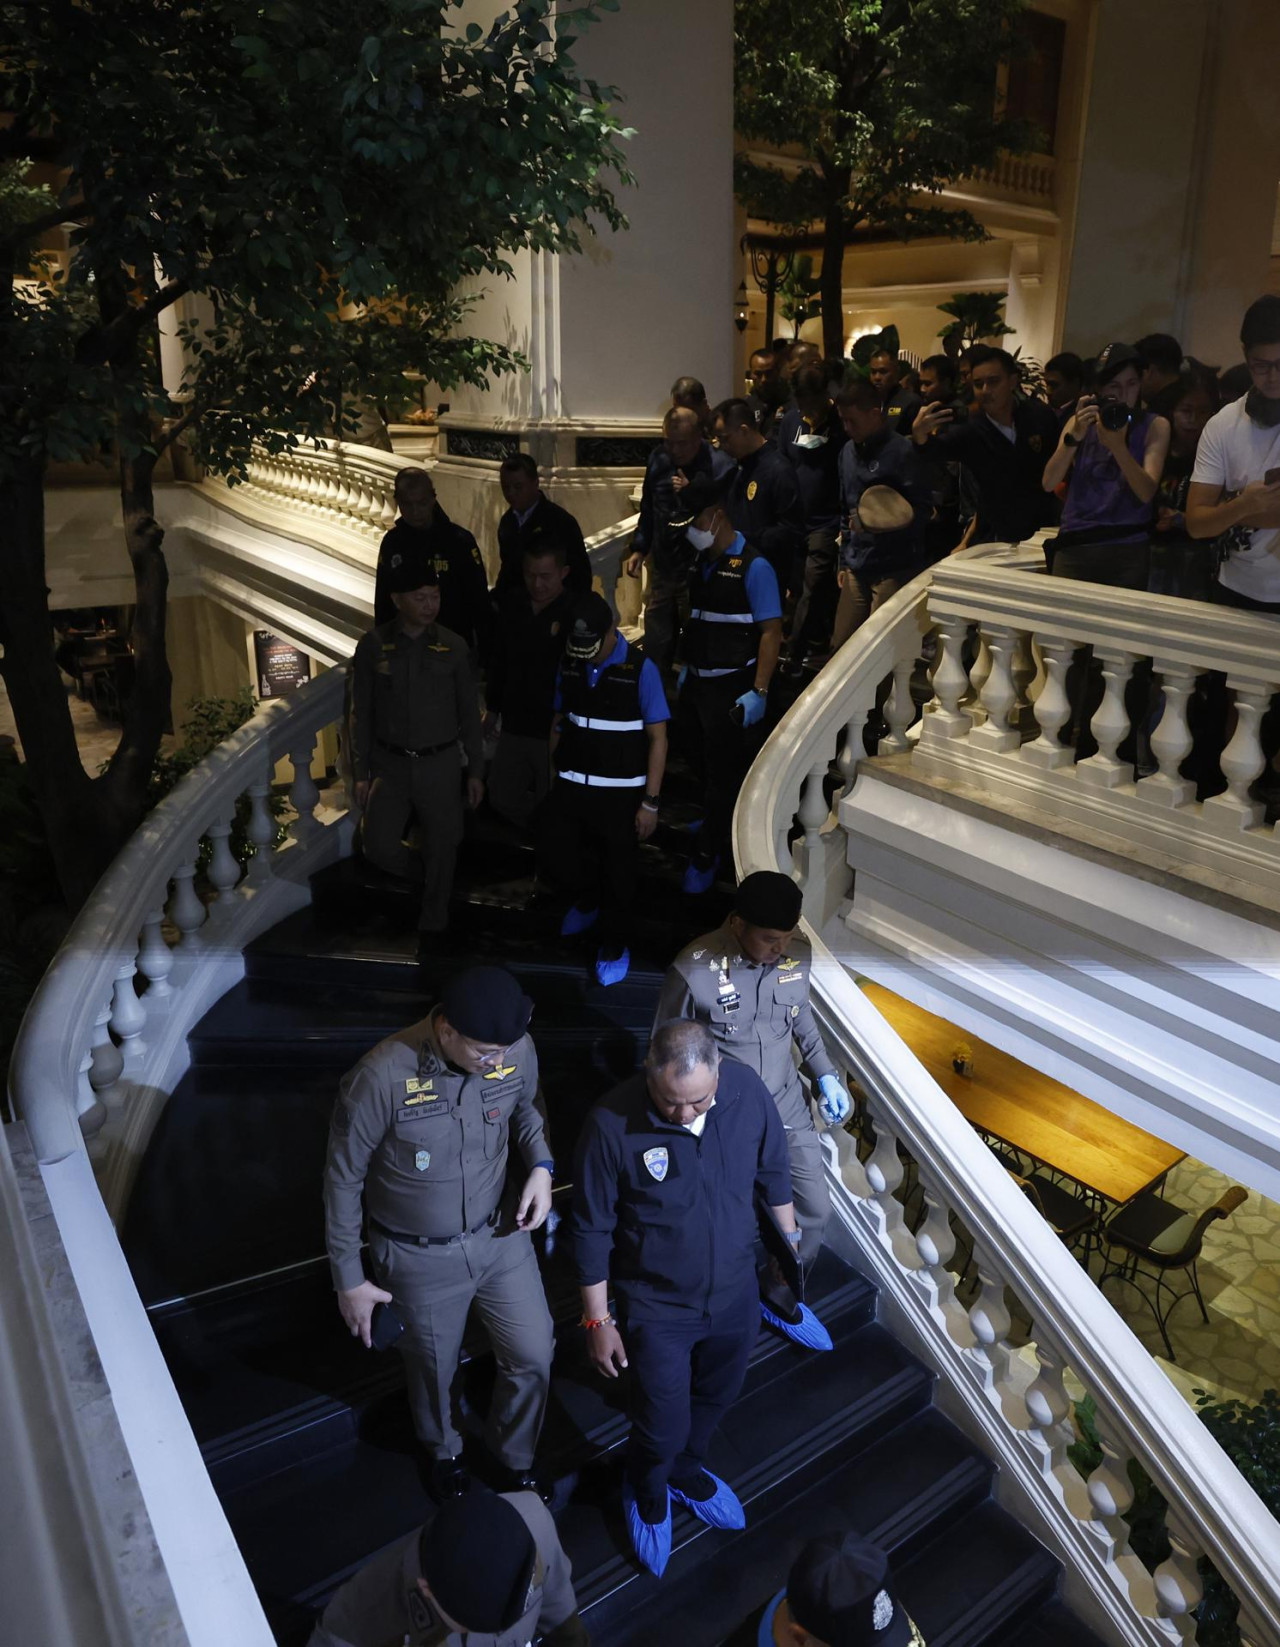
x=683, y=454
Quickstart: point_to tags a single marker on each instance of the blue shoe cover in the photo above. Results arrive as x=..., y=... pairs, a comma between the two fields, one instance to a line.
x=578, y=920
x=808, y=1331
x=651, y=1541
x=722, y=1509
x=697, y=881
x=612, y=971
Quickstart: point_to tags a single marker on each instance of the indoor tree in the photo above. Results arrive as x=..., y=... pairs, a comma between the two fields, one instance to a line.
x=314, y=183
x=884, y=102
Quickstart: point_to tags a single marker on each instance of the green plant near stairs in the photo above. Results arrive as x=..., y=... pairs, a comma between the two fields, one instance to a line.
x=798, y=298
x=975, y=315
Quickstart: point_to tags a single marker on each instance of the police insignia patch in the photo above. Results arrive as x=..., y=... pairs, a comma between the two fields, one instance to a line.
x=657, y=1161
x=881, y=1611
x=422, y=1160
x=501, y=1072
x=752, y=489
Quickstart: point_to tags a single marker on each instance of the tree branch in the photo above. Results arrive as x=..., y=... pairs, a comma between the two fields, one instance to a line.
x=100, y=345
x=37, y=225
x=179, y=426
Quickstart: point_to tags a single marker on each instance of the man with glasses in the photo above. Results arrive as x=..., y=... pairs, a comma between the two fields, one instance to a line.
x=1235, y=485
x=421, y=1133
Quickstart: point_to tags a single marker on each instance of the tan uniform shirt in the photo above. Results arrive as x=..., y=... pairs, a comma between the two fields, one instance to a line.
x=425, y=1143
x=754, y=1012
x=416, y=692
x=383, y=1607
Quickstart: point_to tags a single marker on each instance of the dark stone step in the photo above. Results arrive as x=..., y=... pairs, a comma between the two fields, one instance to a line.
x=1051, y=1626
x=982, y=1577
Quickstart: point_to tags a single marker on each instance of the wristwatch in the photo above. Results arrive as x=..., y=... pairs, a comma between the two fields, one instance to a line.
x=793, y=1236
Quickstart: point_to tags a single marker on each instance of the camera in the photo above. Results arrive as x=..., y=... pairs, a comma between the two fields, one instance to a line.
x=1114, y=414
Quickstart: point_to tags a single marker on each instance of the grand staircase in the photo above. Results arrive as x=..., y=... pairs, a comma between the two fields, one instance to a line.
x=307, y=1436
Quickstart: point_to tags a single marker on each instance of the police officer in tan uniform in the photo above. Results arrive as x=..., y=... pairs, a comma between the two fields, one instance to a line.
x=421, y=1131
x=487, y=1570
x=748, y=981
x=414, y=703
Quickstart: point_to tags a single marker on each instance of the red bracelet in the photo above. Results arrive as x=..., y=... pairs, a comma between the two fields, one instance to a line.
x=590, y=1325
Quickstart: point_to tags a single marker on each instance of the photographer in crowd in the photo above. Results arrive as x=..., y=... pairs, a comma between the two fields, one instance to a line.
x=1111, y=455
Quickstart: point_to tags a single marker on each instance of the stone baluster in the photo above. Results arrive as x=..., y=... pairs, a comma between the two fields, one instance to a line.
x=304, y=797
x=1109, y=1488
x=884, y=1167
x=1110, y=722
x=223, y=871
x=1241, y=761
x=989, y=1314
x=363, y=501
x=978, y=677
x=155, y=958
x=1253, y=1631
x=1171, y=741
x=813, y=813
x=387, y=508
x=186, y=909
x=1052, y=708
x=90, y=1111
x=106, y=1059
x=900, y=710
x=935, y=1239
x=947, y=720
x=999, y=694
x=128, y=1015
x=1177, y=1579
x=1025, y=669
x=261, y=830
x=852, y=751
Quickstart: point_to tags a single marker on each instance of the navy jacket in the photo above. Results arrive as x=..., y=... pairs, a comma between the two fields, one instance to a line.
x=887, y=460
x=465, y=606
x=1005, y=475
x=547, y=523
x=668, y=1217
x=658, y=500
x=817, y=468
x=764, y=505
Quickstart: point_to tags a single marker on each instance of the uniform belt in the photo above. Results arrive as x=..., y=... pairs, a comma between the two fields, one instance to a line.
x=433, y=1240
x=413, y=754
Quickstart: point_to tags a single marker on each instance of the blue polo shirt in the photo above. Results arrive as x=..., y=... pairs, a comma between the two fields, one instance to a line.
x=760, y=583
x=653, y=700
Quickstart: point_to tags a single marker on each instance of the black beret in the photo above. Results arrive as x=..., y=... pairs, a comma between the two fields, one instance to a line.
x=769, y=899
x=485, y=1003
x=406, y=571
x=477, y=1556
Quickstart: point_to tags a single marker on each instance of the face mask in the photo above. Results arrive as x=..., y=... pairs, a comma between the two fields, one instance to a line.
x=810, y=443
x=698, y=538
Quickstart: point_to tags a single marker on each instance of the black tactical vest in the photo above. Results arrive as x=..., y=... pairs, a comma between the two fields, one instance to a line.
x=721, y=634
x=602, y=735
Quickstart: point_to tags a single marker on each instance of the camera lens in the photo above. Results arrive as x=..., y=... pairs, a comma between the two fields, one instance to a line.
x=1113, y=414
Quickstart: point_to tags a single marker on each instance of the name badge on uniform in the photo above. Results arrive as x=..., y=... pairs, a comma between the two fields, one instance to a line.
x=422, y=1160
x=657, y=1161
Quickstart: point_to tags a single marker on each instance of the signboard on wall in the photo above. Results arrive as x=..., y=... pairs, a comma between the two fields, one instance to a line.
x=279, y=665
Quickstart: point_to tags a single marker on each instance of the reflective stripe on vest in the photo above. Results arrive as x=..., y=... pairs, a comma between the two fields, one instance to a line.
x=709, y=674
x=594, y=723
x=722, y=617
x=603, y=783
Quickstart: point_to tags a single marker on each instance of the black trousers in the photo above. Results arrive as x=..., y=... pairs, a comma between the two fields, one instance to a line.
x=588, y=851
x=816, y=608
x=685, y=1372
x=718, y=747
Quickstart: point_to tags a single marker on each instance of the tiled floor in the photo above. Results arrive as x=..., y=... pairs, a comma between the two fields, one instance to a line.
x=1238, y=1353
x=95, y=738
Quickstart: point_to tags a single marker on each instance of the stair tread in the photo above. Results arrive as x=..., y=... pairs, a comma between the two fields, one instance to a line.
x=1054, y=1625
x=983, y=1574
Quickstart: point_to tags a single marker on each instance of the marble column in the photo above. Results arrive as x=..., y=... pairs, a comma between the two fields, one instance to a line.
x=607, y=331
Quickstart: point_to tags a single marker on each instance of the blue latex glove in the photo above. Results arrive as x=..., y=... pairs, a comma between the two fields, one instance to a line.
x=681, y=678
x=752, y=705
x=835, y=1105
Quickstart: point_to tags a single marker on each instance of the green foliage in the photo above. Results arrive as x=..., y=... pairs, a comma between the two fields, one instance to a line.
x=797, y=294
x=20, y=201
x=1249, y=1433
x=975, y=315
x=322, y=178
x=889, y=100
x=209, y=721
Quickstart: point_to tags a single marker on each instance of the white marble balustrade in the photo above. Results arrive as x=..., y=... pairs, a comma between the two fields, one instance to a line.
x=916, y=1189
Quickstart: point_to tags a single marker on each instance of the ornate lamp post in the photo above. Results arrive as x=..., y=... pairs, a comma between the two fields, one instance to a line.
x=770, y=266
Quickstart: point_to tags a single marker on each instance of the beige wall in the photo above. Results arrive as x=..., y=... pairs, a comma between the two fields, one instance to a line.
x=206, y=652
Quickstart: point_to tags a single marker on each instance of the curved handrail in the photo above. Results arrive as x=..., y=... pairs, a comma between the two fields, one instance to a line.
x=1212, y=1511
x=51, y=1061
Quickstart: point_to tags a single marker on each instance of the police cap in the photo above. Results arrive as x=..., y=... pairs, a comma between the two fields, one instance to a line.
x=702, y=492
x=485, y=1003
x=768, y=898
x=405, y=572
x=592, y=620
x=477, y=1556
x=838, y=1590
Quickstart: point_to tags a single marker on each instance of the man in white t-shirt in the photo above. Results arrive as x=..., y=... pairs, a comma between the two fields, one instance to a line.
x=1235, y=485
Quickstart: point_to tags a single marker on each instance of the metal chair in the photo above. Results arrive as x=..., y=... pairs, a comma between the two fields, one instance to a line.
x=1073, y=1218
x=1162, y=1237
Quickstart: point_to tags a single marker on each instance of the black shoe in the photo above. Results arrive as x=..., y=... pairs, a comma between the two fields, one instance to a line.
x=524, y=1481
x=448, y=1478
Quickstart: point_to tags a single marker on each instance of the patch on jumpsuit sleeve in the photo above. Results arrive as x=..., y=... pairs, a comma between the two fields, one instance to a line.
x=340, y=1121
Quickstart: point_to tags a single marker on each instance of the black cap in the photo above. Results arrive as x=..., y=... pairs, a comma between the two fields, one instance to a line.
x=702, y=492
x=768, y=898
x=592, y=619
x=405, y=571
x=478, y=1556
x=1114, y=358
x=838, y=1590
x=485, y=1003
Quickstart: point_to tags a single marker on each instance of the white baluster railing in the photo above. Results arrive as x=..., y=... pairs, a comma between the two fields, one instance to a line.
x=158, y=983
x=1017, y=1395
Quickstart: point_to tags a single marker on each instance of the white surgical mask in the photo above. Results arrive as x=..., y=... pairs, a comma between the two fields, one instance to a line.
x=699, y=538
x=810, y=442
